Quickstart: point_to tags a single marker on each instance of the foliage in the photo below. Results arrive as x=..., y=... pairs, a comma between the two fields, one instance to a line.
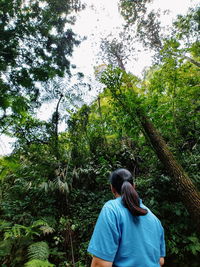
x=38, y=263
x=139, y=16
x=36, y=44
x=50, y=203
x=38, y=250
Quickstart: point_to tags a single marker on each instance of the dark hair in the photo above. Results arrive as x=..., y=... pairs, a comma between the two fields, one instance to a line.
x=122, y=181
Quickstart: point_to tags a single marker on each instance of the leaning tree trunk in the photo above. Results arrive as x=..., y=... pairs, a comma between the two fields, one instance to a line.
x=189, y=194
x=185, y=187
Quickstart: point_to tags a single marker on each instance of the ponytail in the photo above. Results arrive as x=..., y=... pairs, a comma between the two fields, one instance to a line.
x=130, y=199
x=122, y=181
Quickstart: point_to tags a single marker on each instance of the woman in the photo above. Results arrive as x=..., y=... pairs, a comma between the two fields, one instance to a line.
x=127, y=233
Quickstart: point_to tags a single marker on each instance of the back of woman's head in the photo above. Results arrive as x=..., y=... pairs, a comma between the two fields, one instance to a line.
x=122, y=182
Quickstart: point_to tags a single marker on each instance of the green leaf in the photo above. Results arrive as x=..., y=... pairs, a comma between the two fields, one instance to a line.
x=38, y=250
x=38, y=263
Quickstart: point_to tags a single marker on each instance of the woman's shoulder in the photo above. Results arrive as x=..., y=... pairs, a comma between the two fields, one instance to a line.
x=113, y=204
x=150, y=214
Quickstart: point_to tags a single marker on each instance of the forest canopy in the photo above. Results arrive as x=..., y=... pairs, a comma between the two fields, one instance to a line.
x=53, y=184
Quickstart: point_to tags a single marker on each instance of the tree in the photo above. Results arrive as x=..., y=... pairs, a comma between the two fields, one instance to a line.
x=183, y=35
x=116, y=81
x=183, y=42
x=146, y=22
x=35, y=46
x=121, y=86
x=117, y=50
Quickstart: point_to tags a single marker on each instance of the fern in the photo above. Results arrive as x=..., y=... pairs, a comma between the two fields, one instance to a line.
x=44, y=226
x=18, y=231
x=4, y=225
x=38, y=263
x=39, y=223
x=39, y=251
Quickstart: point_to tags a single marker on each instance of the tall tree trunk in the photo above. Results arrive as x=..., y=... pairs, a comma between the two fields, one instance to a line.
x=56, y=121
x=185, y=187
x=101, y=116
x=120, y=63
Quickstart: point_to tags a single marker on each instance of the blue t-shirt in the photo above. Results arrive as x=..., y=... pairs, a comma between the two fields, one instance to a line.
x=127, y=240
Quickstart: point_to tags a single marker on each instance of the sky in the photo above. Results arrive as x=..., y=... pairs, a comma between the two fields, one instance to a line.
x=99, y=19
x=104, y=18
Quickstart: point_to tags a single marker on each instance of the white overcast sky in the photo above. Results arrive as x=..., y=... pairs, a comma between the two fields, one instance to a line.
x=100, y=18
x=104, y=18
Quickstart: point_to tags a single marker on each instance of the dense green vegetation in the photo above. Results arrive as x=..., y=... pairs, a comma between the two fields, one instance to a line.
x=53, y=186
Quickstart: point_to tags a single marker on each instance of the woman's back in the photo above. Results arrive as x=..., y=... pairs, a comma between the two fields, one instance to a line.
x=127, y=234
x=127, y=240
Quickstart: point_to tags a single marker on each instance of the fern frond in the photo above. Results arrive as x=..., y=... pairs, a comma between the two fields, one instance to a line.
x=4, y=225
x=38, y=263
x=18, y=231
x=38, y=250
x=39, y=223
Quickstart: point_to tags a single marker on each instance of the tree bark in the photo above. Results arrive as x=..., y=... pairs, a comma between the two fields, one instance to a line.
x=120, y=62
x=189, y=194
